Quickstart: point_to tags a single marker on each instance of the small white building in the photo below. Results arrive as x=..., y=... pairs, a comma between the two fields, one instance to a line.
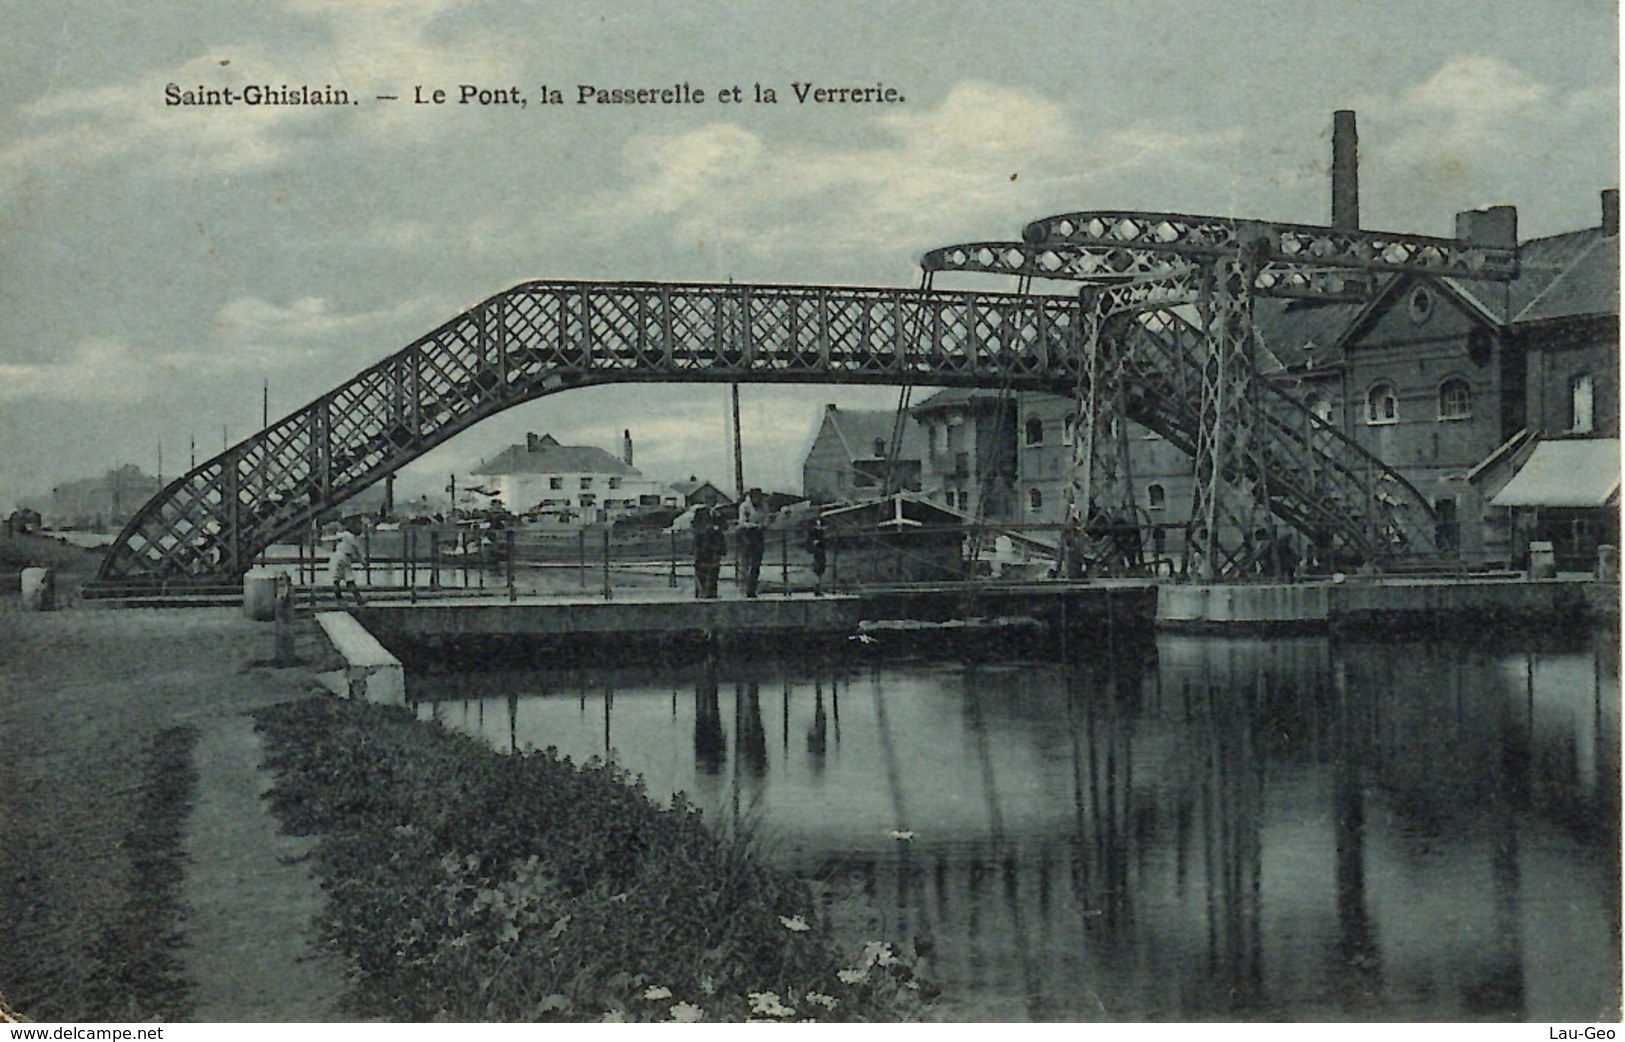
x=571, y=484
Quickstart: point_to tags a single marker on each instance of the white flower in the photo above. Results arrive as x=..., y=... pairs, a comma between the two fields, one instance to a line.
x=656, y=991
x=878, y=953
x=820, y=999
x=852, y=976
x=686, y=1013
x=902, y=835
x=768, y=1002
x=794, y=923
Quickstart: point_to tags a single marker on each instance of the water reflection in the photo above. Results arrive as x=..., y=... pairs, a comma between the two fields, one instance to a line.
x=1188, y=828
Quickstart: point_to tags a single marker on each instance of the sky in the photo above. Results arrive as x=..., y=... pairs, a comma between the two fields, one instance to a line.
x=161, y=266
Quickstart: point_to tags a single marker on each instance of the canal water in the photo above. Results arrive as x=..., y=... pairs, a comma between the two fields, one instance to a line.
x=1164, y=828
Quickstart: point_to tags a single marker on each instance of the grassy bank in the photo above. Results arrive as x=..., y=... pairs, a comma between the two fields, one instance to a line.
x=468, y=885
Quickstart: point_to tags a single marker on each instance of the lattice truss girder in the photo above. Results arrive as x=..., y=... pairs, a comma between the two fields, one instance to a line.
x=1274, y=243
x=1134, y=261
x=544, y=337
x=1146, y=359
x=1109, y=265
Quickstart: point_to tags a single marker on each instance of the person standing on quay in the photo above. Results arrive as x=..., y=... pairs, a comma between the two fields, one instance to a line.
x=709, y=545
x=752, y=541
x=815, y=547
x=345, y=554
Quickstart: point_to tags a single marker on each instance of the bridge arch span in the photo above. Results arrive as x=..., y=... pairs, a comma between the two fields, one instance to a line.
x=541, y=338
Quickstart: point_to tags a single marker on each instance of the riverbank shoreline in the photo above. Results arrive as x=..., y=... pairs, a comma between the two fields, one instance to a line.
x=145, y=875
x=101, y=714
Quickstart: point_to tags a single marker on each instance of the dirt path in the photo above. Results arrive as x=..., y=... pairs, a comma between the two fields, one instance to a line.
x=96, y=710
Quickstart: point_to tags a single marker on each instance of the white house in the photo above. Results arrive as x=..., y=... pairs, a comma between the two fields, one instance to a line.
x=580, y=484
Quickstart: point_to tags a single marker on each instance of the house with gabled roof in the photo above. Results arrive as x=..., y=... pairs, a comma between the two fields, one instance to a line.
x=1455, y=382
x=859, y=453
x=544, y=480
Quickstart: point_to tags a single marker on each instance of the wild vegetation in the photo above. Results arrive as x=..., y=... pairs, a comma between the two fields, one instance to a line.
x=464, y=885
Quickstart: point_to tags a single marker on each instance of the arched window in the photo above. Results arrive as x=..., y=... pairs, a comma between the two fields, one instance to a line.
x=1580, y=403
x=1455, y=399
x=1069, y=428
x=1156, y=497
x=1035, y=500
x=1320, y=405
x=1035, y=431
x=1382, y=405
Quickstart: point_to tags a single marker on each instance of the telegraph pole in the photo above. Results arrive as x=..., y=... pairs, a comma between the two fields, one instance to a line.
x=739, y=460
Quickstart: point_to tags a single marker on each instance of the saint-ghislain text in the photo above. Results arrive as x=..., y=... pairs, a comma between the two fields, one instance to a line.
x=256, y=94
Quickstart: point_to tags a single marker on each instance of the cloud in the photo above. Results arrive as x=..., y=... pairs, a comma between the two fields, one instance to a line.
x=378, y=46
x=938, y=167
x=245, y=319
x=1480, y=131
x=248, y=337
x=95, y=369
x=93, y=125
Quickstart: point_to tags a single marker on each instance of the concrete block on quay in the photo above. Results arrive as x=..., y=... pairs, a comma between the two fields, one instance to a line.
x=370, y=671
x=1301, y=605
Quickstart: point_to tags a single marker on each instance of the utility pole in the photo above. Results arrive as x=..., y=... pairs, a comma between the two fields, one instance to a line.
x=739, y=460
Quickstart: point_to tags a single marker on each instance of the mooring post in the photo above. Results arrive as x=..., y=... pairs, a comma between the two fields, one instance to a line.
x=581, y=555
x=283, y=617
x=671, y=579
x=784, y=562
x=607, y=595
x=434, y=559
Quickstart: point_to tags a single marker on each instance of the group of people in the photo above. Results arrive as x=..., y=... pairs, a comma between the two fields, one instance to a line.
x=710, y=544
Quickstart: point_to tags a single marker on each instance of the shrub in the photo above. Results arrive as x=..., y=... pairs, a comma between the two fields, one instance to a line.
x=464, y=884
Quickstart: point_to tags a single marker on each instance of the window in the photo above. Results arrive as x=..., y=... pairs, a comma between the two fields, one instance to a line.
x=589, y=500
x=1320, y=405
x=1455, y=400
x=1069, y=428
x=555, y=482
x=1420, y=306
x=1035, y=500
x=1156, y=497
x=1035, y=431
x=964, y=500
x=1382, y=405
x=1580, y=403
x=880, y=448
x=614, y=482
x=586, y=482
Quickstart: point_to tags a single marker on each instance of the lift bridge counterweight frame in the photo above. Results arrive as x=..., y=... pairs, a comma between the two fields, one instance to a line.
x=1256, y=450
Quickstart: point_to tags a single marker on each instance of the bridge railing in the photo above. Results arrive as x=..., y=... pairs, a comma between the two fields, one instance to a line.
x=447, y=560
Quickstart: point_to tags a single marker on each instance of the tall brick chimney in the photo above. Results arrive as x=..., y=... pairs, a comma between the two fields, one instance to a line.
x=1493, y=226
x=1345, y=170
